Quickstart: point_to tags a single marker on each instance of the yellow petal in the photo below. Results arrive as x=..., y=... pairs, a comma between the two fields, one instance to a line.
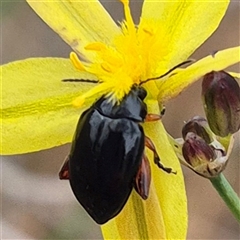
x=172, y=86
x=139, y=220
x=36, y=106
x=235, y=75
x=77, y=22
x=182, y=26
x=164, y=214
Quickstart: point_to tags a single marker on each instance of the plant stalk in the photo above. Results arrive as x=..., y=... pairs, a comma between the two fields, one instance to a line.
x=228, y=195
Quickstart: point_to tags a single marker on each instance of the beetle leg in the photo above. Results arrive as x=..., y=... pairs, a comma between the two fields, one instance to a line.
x=143, y=178
x=150, y=117
x=157, y=161
x=64, y=172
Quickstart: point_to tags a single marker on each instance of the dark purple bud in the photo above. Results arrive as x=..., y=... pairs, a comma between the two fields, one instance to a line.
x=196, y=151
x=221, y=97
x=200, y=127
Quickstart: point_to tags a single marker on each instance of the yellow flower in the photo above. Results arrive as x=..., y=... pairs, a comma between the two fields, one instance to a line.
x=41, y=114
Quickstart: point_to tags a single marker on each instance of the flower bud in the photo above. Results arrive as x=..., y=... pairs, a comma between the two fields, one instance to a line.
x=199, y=126
x=196, y=151
x=221, y=97
x=207, y=160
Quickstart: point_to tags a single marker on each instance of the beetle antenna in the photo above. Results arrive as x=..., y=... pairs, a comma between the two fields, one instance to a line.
x=169, y=71
x=80, y=80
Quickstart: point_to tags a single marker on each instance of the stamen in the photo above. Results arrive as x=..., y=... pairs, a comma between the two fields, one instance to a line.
x=78, y=102
x=97, y=91
x=128, y=16
x=148, y=31
x=96, y=46
x=76, y=62
x=105, y=66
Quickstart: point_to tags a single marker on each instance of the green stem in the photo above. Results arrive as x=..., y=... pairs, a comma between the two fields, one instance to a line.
x=228, y=195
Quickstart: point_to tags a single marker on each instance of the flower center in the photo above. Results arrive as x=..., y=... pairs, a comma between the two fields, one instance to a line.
x=120, y=66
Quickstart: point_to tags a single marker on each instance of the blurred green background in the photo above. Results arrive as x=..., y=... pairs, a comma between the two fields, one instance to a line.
x=37, y=205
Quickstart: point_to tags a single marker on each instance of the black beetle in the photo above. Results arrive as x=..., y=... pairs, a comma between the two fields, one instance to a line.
x=107, y=157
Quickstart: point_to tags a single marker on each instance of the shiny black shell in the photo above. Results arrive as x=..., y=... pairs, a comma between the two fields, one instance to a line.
x=106, y=154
